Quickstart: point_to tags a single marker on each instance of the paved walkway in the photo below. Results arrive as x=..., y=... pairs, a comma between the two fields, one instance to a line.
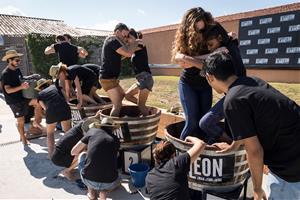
x=25, y=172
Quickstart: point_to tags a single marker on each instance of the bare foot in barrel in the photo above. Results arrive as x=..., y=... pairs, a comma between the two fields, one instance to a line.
x=68, y=174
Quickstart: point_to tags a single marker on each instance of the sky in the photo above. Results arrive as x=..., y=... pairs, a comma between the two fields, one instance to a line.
x=138, y=14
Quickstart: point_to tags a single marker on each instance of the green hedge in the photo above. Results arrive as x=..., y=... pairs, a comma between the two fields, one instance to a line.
x=36, y=44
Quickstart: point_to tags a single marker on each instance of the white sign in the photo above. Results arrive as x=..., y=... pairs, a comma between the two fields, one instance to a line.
x=271, y=50
x=284, y=39
x=282, y=61
x=285, y=18
x=293, y=50
x=245, y=42
x=273, y=30
x=254, y=32
x=265, y=20
x=246, y=60
x=261, y=61
x=294, y=28
x=298, y=60
x=246, y=23
x=264, y=41
x=252, y=51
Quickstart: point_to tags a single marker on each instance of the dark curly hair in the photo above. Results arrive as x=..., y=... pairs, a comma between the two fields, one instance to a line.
x=163, y=151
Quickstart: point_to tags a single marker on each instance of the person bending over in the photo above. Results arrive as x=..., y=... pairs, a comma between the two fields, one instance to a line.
x=52, y=100
x=98, y=165
x=265, y=121
x=84, y=80
x=62, y=151
x=168, y=179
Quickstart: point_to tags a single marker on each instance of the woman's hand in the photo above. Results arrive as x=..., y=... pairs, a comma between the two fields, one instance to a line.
x=184, y=65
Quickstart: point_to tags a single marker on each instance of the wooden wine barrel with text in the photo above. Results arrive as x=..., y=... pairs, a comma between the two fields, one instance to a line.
x=87, y=111
x=212, y=171
x=142, y=130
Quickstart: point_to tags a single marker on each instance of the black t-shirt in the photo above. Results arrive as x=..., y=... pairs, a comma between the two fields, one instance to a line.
x=101, y=162
x=95, y=68
x=13, y=79
x=110, y=59
x=53, y=98
x=139, y=61
x=83, y=73
x=169, y=179
x=254, y=108
x=68, y=53
x=65, y=145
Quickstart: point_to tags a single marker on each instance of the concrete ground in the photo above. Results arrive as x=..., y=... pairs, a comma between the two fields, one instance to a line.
x=26, y=173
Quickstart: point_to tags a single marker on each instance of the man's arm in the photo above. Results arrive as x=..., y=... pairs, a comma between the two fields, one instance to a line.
x=49, y=50
x=10, y=89
x=197, y=148
x=78, y=148
x=82, y=52
x=255, y=155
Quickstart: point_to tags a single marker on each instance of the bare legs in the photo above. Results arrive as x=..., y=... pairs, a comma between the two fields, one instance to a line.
x=116, y=96
x=66, y=125
x=20, y=126
x=141, y=100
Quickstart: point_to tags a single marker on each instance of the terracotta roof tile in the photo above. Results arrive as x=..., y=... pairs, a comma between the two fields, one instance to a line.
x=237, y=16
x=20, y=25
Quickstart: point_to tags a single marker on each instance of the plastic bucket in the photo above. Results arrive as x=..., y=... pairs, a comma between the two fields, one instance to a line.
x=138, y=173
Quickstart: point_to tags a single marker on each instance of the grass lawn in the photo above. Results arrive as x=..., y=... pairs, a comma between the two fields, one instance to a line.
x=165, y=91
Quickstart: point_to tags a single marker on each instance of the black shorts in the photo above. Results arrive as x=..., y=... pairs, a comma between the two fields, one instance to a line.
x=58, y=114
x=22, y=109
x=62, y=159
x=86, y=86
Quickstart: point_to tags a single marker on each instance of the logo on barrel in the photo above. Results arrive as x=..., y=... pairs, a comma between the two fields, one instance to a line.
x=122, y=132
x=212, y=168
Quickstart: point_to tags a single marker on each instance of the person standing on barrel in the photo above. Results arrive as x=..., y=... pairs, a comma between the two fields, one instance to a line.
x=168, y=179
x=113, y=49
x=143, y=74
x=265, y=121
x=22, y=108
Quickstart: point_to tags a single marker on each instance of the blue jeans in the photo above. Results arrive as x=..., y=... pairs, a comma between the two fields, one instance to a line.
x=280, y=189
x=196, y=101
x=209, y=122
x=92, y=184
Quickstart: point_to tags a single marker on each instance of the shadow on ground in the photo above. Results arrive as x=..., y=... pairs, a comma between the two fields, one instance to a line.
x=41, y=167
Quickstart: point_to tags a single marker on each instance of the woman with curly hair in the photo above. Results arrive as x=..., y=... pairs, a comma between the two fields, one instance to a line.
x=190, y=50
x=194, y=91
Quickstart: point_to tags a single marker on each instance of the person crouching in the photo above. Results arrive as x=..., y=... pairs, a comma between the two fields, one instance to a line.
x=98, y=165
x=52, y=100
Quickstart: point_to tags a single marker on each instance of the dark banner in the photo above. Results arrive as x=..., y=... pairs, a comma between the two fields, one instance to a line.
x=271, y=40
x=213, y=168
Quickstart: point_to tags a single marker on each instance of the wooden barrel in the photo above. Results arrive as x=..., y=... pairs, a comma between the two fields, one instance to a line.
x=142, y=130
x=212, y=171
x=30, y=93
x=87, y=111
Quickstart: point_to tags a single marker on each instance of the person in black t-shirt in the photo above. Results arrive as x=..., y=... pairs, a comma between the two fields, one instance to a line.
x=62, y=152
x=57, y=110
x=98, y=165
x=12, y=88
x=84, y=80
x=113, y=49
x=168, y=179
x=143, y=74
x=67, y=52
x=265, y=121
